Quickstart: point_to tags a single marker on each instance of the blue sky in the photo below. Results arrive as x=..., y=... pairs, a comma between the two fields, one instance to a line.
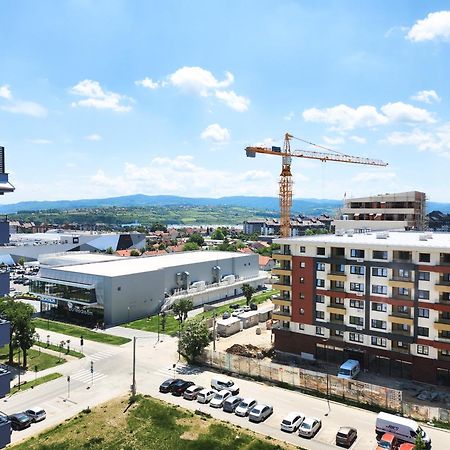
x=105, y=98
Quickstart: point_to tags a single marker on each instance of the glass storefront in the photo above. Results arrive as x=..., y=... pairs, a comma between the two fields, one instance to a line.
x=64, y=291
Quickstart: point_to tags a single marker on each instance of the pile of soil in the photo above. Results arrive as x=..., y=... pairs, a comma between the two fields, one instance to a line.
x=249, y=351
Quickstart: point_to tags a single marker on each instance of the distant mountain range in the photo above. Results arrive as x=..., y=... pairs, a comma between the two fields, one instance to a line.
x=303, y=206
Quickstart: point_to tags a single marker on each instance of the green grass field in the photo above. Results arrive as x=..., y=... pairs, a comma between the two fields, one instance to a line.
x=148, y=424
x=34, y=358
x=76, y=331
x=34, y=383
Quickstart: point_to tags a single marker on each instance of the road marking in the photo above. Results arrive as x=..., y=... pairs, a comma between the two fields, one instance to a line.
x=85, y=376
x=101, y=355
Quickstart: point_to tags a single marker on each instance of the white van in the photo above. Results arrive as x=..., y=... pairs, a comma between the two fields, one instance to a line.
x=404, y=429
x=349, y=369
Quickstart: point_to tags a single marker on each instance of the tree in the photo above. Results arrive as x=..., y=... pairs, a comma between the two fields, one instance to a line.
x=193, y=339
x=218, y=235
x=419, y=444
x=163, y=321
x=158, y=226
x=135, y=252
x=190, y=246
x=197, y=238
x=21, y=261
x=109, y=251
x=248, y=291
x=182, y=307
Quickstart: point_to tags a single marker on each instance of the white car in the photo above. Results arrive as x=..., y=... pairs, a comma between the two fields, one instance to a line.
x=292, y=421
x=245, y=407
x=220, y=397
x=229, y=385
x=206, y=395
x=309, y=427
x=237, y=312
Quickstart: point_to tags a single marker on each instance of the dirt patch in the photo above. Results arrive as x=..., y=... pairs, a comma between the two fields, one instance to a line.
x=249, y=351
x=198, y=427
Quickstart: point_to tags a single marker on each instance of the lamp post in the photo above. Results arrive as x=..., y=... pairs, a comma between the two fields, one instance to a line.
x=214, y=332
x=158, y=326
x=18, y=356
x=133, y=384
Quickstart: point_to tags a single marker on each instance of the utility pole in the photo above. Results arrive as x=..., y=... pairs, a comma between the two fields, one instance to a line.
x=81, y=343
x=19, y=367
x=214, y=332
x=158, y=326
x=68, y=386
x=133, y=386
x=92, y=373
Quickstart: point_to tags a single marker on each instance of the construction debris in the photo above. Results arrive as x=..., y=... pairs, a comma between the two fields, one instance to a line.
x=249, y=351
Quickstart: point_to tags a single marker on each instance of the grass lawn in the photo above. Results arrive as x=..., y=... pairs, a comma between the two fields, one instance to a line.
x=76, y=331
x=34, y=358
x=31, y=384
x=148, y=424
x=56, y=348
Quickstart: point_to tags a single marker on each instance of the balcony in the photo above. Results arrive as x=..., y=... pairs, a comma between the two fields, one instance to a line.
x=397, y=282
x=281, y=257
x=404, y=319
x=337, y=321
x=442, y=324
x=404, y=350
x=282, y=272
x=336, y=276
x=442, y=357
x=401, y=332
x=281, y=301
x=280, y=315
x=443, y=286
x=281, y=286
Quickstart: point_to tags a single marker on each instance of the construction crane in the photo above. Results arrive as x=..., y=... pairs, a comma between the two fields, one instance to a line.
x=286, y=183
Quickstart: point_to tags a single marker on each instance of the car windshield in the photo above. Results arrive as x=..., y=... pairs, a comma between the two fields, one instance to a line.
x=306, y=426
x=344, y=372
x=384, y=444
x=22, y=416
x=243, y=405
x=286, y=422
x=218, y=397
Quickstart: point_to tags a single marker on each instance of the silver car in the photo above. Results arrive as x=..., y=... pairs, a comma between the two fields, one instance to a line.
x=192, y=391
x=36, y=414
x=245, y=407
x=205, y=395
x=309, y=427
x=218, y=400
x=260, y=413
x=231, y=403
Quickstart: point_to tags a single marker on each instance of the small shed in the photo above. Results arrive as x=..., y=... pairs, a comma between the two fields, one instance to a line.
x=265, y=313
x=249, y=319
x=227, y=327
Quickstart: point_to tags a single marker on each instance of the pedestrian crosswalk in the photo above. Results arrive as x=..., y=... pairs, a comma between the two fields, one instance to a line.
x=85, y=376
x=101, y=355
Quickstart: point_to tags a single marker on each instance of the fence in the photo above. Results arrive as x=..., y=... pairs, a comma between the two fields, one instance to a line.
x=313, y=382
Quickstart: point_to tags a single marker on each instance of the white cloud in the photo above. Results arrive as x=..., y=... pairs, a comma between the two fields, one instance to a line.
x=358, y=139
x=289, y=116
x=366, y=177
x=5, y=92
x=427, y=96
x=337, y=140
x=343, y=117
x=435, y=26
x=148, y=83
x=97, y=98
x=39, y=141
x=215, y=133
x=267, y=142
x=234, y=101
x=93, y=137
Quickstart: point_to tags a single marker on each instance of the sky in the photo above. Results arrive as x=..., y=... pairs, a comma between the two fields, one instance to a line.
x=103, y=98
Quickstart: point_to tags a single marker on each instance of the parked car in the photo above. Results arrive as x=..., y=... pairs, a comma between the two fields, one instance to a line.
x=205, y=395
x=192, y=391
x=245, y=407
x=36, y=414
x=309, y=427
x=218, y=400
x=387, y=442
x=231, y=403
x=260, y=412
x=246, y=308
x=19, y=421
x=166, y=385
x=292, y=421
x=407, y=446
x=349, y=370
x=253, y=306
x=346, y=436
x=221, y=383
x=237, y=312
x=226, y=315
x=235, y=306
x=180, y=386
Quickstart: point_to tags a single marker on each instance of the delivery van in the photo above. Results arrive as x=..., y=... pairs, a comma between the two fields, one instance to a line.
x=405, y=430
x=349, y=369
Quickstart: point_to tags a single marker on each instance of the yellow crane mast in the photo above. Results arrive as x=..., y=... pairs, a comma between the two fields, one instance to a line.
x=286, y=183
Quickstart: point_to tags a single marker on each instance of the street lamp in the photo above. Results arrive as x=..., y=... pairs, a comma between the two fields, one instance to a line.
x=133, y=384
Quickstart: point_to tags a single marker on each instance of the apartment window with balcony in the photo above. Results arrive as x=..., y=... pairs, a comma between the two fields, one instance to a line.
x=424, y=257
x=423, y=295
x=302, y=249
x=379, y=271
x=302, y=264
x=402, y=309
x=319, y=331
x=302, y=295
x=403, y=292
x=338, y=268
x=379, y=289
x=356, y=253
x=357, y=270
x=445, y=258
x=320, y=283
x=357, y=287
x=403, y=273
x=320, y=299
x=358, y=304
x=401, y=255
x=356, y=337
x=381, y=307
x=320, y=267
x=424, y=276
x=424, y=312
x=380, y=324
x=444, y=335
x=285, y=324
x=286, y=250
x=422, y=349
x=379, y=342
x=357, y=321
x=400, y=344
x=336, y=318
x=286, y=309
x=337, y=285
x=379, y=254
x=320, y=251
x=423, y=331
x=337, y=300
x=320, y=315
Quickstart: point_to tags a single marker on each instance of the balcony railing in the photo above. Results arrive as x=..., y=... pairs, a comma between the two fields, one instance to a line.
x=401, y=332
x=401, y=349
x=337, y=305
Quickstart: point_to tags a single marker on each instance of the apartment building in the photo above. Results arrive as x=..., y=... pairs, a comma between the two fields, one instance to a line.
x=381, y=298
x=400, y=211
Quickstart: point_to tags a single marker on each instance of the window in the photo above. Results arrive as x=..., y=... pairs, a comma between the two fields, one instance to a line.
x=379, y=254
x=302, y=249
x=379, y=271
x=301, y=326
x=285, y=324
x=422, y=349
x=320, y=283
x=302, y=280
x=378, y=289
x=320, y=315
x=357, y=287
x=403, y=291
x=320, y=299
x=380, y=324
x=382, y=307
x=424, y=257
x=423, y=331
x=403, y=273
x=340, y=285
x=424, y=312
x=379, y=342
x=357, y=270
x=358, y=321
x=302, y=295
x=424, y=276
x=424, y=295
x=356, y=253
x=320, y=267
x=301, y=311
x=359, y=304
x=321, y=251
x=319, y=331
x=337, y=300
x=402, y=309
x=302, y=264
x=356, y=337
